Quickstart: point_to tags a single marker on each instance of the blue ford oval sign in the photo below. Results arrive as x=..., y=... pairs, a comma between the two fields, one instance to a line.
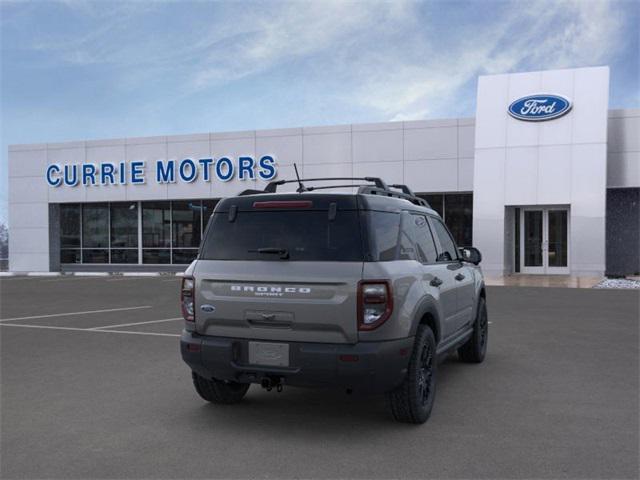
x=536, y=108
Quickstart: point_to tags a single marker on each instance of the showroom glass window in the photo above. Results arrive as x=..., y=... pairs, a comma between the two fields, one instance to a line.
x=436, y=201
x=95, y=233
x=124, y=232
x=456, y=209
x=186, y=219
x=70, y=233
x=156, y=232
x=109, y=232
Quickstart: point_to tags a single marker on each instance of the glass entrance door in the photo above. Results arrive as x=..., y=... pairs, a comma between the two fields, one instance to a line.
x=557, y=241
x=533, y=239
x=544, y=240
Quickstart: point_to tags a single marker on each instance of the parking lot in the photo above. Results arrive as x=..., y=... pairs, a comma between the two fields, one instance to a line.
x=93, y=386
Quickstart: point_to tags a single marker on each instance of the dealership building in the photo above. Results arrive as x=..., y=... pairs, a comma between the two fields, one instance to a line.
x=544, y=180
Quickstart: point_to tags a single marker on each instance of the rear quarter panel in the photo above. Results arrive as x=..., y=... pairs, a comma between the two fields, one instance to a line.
x=408, y=292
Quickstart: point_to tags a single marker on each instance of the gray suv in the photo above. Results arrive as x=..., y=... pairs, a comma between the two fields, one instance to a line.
x=363, y=291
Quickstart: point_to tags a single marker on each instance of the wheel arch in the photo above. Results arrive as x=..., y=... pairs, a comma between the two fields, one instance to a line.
x=428, y=314
x=481, y=295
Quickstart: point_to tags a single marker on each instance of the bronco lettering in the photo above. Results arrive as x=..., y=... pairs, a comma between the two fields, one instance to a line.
x=269, y=289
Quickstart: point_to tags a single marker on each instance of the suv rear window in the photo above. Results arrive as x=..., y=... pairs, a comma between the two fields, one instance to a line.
x=306, y=235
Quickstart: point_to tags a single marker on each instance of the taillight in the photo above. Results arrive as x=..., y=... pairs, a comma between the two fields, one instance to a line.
x=187, y=299
x=375, y=303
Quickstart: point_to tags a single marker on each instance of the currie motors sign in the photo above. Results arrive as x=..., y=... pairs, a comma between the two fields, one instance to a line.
x=187, y=170
x=540, y=107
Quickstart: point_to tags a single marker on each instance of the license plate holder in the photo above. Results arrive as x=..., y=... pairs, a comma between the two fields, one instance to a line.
x=269, y=354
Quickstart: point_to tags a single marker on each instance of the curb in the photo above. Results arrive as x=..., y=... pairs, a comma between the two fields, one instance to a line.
x=91, y=274
x=140, y=274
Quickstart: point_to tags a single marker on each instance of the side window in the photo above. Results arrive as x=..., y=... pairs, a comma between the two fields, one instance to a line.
x=407, y=250
x=385, y=229
x=407, y=241
x=423, y=238
x=449, y=251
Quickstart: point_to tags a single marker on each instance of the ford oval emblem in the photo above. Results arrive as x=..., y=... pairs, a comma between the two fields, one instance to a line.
x=536, y=108
x=207, y=308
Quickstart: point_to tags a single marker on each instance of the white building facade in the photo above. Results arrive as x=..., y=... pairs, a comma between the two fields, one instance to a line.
x=545, y=179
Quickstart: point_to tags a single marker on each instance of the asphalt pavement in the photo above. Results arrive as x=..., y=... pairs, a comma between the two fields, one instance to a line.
x=93, y=386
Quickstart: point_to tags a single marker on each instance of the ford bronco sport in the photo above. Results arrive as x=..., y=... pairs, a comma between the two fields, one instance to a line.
x=363, y=291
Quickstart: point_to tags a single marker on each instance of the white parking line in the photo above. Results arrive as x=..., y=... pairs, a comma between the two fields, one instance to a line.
x=136, y=323
x=48, y=327
x=125, y=279
x=70, y=278
x=22, y=279
x=75, y=313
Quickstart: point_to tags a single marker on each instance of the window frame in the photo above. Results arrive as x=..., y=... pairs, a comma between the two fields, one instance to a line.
x=439, y=244
x=402, y=233
x=430, y=229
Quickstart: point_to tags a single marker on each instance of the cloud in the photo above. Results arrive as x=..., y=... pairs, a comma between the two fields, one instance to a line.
x=393, y=58
x=220, y=41
x=536, y=35
x=107, y=67
x=294, y=31
x=91, y=35
x=211, y=44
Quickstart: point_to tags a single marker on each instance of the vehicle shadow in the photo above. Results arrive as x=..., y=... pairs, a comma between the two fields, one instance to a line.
x=300, y=411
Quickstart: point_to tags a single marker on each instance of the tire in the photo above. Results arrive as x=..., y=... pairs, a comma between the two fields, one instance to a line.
x=475, y=349
x=412, y=401
x=217, y=391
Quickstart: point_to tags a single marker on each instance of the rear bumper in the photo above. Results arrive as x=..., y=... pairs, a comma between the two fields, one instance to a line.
x=371, y=367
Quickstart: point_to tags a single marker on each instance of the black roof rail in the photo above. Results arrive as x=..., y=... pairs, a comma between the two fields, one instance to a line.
x=273, y=186
x=377, y=186
x=327, y=187
x=407, y=191
x=250, y=191
x=370, y=190
x=404, y=189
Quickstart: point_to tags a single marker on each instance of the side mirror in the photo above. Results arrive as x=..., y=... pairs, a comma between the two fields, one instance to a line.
x=471, y=255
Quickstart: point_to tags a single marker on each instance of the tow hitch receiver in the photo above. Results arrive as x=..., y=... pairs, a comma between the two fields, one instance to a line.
x=269, y=383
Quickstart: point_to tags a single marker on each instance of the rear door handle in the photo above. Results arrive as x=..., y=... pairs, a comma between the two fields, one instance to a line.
x=436, y=282
x=459, y=277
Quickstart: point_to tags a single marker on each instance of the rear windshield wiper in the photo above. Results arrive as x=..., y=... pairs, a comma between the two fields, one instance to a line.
x=283, y=252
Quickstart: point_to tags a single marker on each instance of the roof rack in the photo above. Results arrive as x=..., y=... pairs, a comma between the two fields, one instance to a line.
x=406, y=193
x=376, y=186
x=273, y=186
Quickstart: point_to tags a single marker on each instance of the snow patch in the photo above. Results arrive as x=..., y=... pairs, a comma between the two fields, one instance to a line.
x=624, y=283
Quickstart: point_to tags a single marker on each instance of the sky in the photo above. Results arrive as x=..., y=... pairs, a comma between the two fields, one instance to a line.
x=76, y=70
